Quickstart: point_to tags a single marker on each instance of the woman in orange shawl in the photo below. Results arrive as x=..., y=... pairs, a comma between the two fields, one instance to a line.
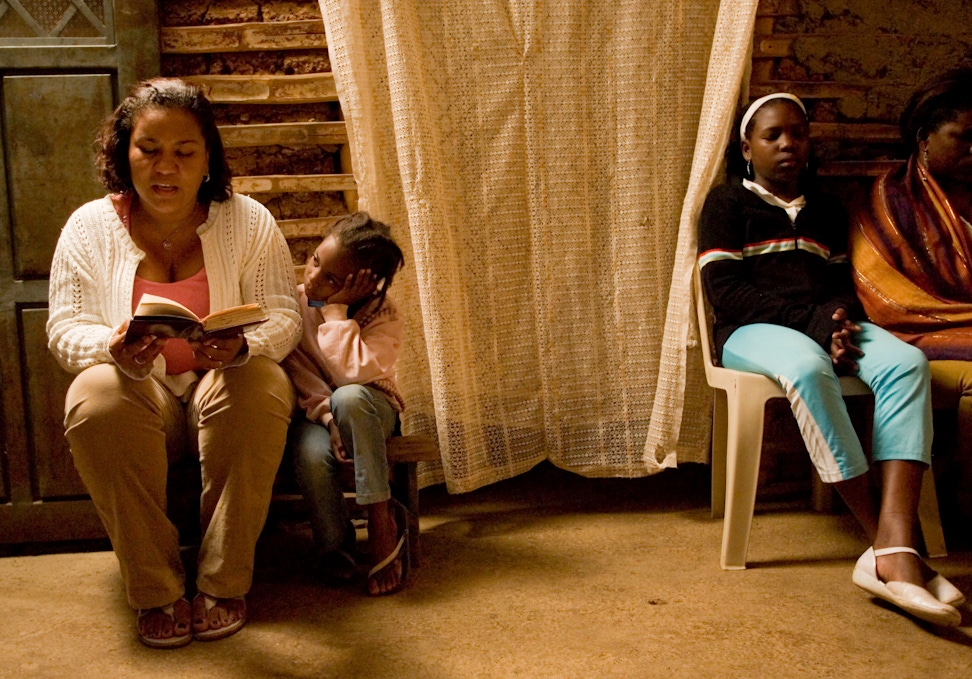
x=911, y=249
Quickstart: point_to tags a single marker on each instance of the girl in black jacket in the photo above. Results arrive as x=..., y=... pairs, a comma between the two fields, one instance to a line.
x=772, y=255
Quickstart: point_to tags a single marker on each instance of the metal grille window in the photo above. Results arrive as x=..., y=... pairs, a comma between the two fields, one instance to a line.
x=56, y=22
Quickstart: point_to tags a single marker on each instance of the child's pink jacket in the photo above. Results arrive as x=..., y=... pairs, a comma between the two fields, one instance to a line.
x=335, y=350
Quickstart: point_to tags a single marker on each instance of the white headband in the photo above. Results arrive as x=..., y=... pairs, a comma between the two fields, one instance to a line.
x=751, y=111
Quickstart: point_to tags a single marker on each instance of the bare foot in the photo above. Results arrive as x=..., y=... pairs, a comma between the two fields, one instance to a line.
x=214, y=618
x=166, y=626
x=382, y=541
x=902, y=567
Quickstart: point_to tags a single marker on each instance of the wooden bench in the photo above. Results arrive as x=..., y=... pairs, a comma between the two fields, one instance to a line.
x=404, y=454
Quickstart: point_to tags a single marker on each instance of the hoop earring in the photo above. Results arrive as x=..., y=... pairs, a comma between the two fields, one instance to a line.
x=749, y=169
x=206, y=178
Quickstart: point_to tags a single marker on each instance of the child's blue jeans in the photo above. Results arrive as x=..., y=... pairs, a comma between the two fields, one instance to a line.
x=365, y=419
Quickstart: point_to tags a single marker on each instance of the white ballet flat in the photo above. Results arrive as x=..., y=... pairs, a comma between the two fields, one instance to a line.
x=913, y=599
x=945, y=591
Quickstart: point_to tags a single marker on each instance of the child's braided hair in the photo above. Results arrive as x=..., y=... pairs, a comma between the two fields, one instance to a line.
x=370, y=244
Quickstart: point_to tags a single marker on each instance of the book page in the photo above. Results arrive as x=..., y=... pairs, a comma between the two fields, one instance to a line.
x=246, y=314
x=156, y=305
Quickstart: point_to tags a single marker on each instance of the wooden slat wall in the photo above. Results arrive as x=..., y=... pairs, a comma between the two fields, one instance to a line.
x=267, y=89
x=234, y=44
x=851, y=149
x=245, y=37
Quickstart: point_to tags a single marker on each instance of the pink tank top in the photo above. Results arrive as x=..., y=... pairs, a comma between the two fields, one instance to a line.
x=192, y=292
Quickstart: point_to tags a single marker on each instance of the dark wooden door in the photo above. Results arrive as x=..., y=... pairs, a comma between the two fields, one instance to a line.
x=64, y=65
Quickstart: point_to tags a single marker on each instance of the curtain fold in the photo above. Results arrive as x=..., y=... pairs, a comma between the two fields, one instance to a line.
x=681, y=383
x=532, y=158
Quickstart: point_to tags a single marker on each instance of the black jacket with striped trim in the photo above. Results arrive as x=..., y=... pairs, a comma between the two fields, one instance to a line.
x=758, y=267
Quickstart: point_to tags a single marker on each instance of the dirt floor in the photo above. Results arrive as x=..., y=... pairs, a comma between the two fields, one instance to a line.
x=545, y=575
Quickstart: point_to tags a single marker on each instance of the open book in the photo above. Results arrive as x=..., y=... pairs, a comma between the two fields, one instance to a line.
x=164, y=317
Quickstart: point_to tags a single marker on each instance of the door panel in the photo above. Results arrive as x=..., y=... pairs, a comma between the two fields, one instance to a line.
x=46, y=383
x=63, y=68
x=49, y=158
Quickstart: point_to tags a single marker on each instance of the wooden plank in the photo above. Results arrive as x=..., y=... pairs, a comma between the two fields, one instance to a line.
x=857, y=168
x=773, y=46
x=414, y=448
x=284, y=134
x=778, y=8
x=866, y=132
x=807, y=90
x=294, y=183
x=763, y=26
x=245, y=37
x=762, y=70
x=311, y=88
x=53, y=466
x=769, y=45
x=311, y=227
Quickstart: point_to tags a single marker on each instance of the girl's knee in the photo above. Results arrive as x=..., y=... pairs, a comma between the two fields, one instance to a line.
x=810, y=369
x=351, y=399
x=909, y=369
x=314, y=460
x=913, y=360
x=308, y=441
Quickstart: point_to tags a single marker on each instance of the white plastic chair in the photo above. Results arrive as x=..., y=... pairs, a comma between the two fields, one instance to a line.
x=737, y=442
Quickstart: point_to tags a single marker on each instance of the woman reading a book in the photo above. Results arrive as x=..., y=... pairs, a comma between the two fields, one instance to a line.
x=172, y=227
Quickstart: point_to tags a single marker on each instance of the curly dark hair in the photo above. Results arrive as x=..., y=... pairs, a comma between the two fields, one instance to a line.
x=937, y=102
x=370, y=244
x=115, y=136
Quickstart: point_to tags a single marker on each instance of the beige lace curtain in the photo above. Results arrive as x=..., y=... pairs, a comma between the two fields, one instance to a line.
x=533, y=158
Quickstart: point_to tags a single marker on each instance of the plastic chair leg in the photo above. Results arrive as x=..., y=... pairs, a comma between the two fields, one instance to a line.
x=745, y=442
x=720, y=419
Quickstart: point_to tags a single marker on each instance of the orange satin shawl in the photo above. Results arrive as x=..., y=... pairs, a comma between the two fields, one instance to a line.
x=912, y=260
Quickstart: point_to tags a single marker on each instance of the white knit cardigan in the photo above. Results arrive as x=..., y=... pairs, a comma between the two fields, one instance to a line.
x=93, y=276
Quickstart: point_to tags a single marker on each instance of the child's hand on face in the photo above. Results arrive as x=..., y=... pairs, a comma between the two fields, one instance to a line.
x=357, y=286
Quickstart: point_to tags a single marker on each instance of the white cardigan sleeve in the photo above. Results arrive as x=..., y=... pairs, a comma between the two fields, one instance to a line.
x=247, y=260
x=90, y=288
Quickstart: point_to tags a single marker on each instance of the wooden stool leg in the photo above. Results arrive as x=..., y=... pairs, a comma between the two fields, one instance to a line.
x=929, y=517
x=822, y=497
x=406, y=491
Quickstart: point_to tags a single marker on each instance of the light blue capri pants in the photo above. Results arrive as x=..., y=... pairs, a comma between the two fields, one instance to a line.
x=896, y=372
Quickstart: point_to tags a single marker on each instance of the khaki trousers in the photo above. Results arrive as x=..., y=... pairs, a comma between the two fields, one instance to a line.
x=123, y=433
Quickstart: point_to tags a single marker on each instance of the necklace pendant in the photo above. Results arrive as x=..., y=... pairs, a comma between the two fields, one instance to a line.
x=166, y=245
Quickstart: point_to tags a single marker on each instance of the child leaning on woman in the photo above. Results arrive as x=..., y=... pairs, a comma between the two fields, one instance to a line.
x=348, y=397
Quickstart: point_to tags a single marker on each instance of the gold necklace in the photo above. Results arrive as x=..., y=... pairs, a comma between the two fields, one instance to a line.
x=167, y=241
x=166, y=244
